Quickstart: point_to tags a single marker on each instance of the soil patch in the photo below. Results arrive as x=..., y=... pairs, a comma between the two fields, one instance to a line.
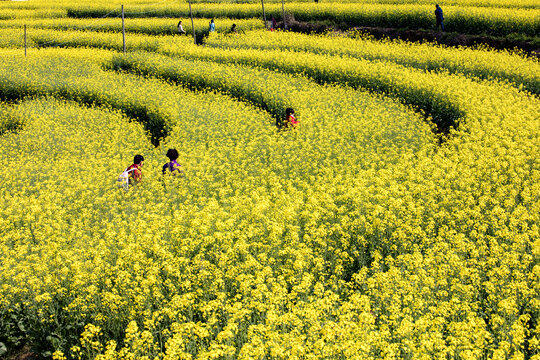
x=453, y=39
x=25, y=353
x=531, y=48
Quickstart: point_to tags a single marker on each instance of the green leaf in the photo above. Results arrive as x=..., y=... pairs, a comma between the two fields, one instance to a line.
x=3, y=349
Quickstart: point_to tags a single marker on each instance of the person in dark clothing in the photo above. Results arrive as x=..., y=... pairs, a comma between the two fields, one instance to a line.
x=290, y=121
x=439, y=17
x=234, y=30
x=274, y=24
x=172, y=166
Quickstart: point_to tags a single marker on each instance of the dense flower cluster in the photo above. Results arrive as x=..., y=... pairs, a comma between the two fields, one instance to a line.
x=501, y=65
x=362, y=234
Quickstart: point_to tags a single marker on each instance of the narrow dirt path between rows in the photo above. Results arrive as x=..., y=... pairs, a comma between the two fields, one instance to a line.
x=531, y=48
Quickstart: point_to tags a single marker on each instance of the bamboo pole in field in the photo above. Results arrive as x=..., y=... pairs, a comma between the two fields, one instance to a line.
x=283, y=12
x=264, y=15
x=123, y=30
x=192, y=25
x=24, y=39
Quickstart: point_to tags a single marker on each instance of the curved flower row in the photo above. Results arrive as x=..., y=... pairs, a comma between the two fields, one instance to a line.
x=150, y=26
x=354, y=236
x=481, y=63
x=233, y=169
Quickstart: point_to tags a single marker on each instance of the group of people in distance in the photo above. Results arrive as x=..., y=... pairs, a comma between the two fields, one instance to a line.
x=273, y=24
x=211, y=28
x=133, y=174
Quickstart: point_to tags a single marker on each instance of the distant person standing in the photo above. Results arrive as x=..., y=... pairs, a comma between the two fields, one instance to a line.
x=439, y=17
x=274, y=24
x=180, y=28
x=212, y=26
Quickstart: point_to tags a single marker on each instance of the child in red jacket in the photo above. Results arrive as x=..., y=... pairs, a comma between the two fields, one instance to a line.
x=291, y=121
x=133, y=174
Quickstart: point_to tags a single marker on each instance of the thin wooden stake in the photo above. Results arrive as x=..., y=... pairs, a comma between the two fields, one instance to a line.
x=264, y=15
x=123, y=30
x=283, y=11
x=25, y=40
x=192, y=26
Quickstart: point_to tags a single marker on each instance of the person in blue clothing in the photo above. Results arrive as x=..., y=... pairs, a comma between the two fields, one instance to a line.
x=212, y=26
x=439, y=17
x=172, y=166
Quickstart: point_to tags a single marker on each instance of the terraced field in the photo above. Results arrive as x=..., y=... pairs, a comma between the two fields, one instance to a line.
x=400, y=220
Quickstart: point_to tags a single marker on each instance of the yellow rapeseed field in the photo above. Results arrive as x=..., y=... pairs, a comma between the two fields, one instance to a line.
x=400, y=220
